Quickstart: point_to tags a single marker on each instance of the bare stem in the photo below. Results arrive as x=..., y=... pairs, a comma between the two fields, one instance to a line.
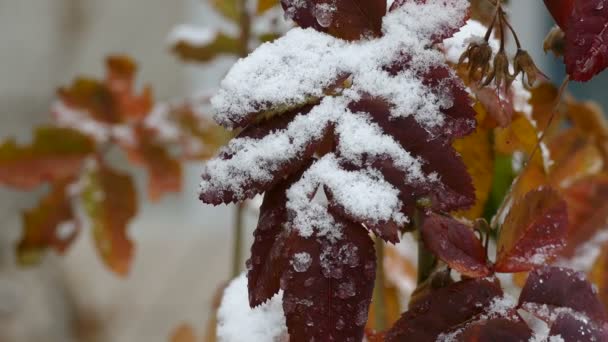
x=426, y=259
x=237, y=247
x=381, y=320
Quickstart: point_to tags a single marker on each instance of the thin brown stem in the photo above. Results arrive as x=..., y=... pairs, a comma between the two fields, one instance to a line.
x=517, y=42
x=381, y=320
x=426, y=259
x=237, y=248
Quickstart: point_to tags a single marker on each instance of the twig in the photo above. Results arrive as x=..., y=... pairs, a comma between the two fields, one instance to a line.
x=381, y=320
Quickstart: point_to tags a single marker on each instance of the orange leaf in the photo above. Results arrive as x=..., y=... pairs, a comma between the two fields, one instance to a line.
x=183, y=333
x=520, y=135
x=575, y=157
x=56, y=153
x=110, y=201
x=50, y=225
x=113, y=100
x=165, y=172
x=599, y=275
x=533, y=232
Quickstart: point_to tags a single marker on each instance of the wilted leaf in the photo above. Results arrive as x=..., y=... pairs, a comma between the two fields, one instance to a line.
x=533, y=233
x=55, y=154
x=346, y=19
x=112, y=100
x=50, y=225
x=200, y=137
x=444, y=309
x=456, y=244
x=550, y=290
x=110, y=200
x=220, y=44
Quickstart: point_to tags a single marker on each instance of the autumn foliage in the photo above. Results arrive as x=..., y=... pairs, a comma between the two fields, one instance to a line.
x=358, y=127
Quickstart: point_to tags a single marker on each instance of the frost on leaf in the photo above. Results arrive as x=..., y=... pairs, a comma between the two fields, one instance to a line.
x=534, y=231
x=346, y=19
x=326, y=282
x=456, y=244
x=571, y=327
x=550, y=291
x=55, y=154
x=51, y=224
x=445, y=310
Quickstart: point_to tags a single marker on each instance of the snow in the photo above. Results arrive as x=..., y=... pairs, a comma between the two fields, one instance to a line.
x=236, y=320
x=197, y=36
x=301, y=262
x=300, y=68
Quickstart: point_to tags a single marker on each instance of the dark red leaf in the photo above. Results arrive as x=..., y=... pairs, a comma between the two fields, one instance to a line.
x=454, y=191
x=444, y=309
x=551, y=288
x=269, y=253
x=257, y=131
x=496, y=330
x=560, y=10
x=456, y=244
x=534, y=231
x=346, y=19
x=586, y=52
x=570, y=327
x=328, y=287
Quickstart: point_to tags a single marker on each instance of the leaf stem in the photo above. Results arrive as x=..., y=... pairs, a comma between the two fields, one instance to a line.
x=381, y=321
x=426, y=259
x=237, y=254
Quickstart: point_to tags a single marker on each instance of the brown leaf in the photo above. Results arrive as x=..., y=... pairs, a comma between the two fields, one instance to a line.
x=55, y=154
x=110, y=200
x=112, y=100
x=220, y=45
x=533, y=232
x=52, y=224
x=183, y=333
x=164, y=171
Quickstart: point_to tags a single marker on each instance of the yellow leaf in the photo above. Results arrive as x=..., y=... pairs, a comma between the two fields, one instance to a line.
x=228, y=8
x=265, y=5
x=475, y=150
x=222, y=44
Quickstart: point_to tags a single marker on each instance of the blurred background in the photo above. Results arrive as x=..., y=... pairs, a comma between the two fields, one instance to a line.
x=182, y=247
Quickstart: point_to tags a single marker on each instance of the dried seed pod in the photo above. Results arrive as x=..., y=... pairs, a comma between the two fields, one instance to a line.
x=500, y=72
x=523, y=63
x=555, y=42
x=478, y=55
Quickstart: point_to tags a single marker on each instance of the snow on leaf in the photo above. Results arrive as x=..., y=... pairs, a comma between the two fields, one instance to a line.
x=444, y=309
x=330, y=300
x=533, y=232
x=55, y=154
x=571, y=327
x=456, y=244
x=346, y=19
x=52, y=224
x=586, y=52
x=550, y=291
x=110, y=201
x=497, y=329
